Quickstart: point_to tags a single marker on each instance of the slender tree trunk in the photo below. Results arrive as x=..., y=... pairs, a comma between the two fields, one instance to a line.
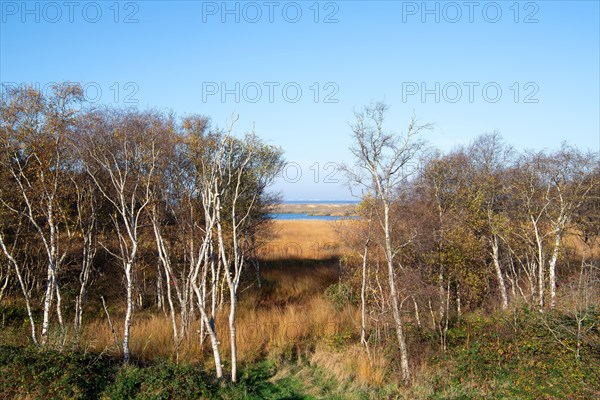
x=160, y=297
x=499, y=275
x=442, y=310
x=55, y=263
x=110, y=324
x=204, y=255
x=417, y=315
x=165, y=260
x=48, y=296
x=363, y=300
x=552, y=266
x=78, y=314
x=214, y=342
x=59, y=305
x=433, y=321
x=233, y=333
x=446, y=317
x=176, y=338
x=231, y=283
x=531, y=277
x=458, y=302
x=5, y=284
x=128, y=311
x=215, y=271
x=23, y=287
x=84, y=276
x=394, y=299
x=541, y=270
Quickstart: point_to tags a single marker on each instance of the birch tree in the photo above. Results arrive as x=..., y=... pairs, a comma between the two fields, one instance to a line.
x=443, y=181
x=246, y=169
x=568, y=173
x=203, y=151
x=382, y=162
x=120, y=156
x=490, y=158
x=87, y=205
x=14, y=262
x=34, y=142
x=549, y=188
x=357, y=236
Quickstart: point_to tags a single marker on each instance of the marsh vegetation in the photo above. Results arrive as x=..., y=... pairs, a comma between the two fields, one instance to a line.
x=138, y=261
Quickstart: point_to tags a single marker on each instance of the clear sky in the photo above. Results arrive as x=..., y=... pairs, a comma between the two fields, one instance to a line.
x=296, y=70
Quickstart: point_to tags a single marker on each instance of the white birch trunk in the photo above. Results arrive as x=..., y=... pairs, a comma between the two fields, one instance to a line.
x=214, y=342
x=499, y=275
x=363, y=300
x=540, y=265
x=15, y=264
x=394, y=300
x=552, y=264
x=128, y=311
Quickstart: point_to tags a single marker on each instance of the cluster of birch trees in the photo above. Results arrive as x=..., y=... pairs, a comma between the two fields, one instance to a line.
x=83, y=189
x=79, y=184
x=482, y=225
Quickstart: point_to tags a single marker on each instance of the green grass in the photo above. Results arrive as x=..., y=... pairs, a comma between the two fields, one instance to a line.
x=516, y=356
x=27, y=372
x=511, y=355
x=168, y=381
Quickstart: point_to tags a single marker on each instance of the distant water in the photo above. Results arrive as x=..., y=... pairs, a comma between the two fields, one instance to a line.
x=304, y=216
x=321, y=202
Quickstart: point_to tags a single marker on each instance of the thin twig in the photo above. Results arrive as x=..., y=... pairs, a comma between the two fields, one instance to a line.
x=112, y=328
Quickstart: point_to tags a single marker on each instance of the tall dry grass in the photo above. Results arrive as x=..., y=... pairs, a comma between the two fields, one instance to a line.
x=288, y=317
x=354, y=363
x=274, y=331
x=301, y=239
x=288, y=311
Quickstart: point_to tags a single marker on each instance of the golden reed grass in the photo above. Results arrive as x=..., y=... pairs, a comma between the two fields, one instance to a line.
x=301, y=239
x=272, y=331
x=292, y=318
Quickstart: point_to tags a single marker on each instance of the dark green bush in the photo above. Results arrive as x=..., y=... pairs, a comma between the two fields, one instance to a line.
x=340, y=295
x=28, y=372
x=162, y=381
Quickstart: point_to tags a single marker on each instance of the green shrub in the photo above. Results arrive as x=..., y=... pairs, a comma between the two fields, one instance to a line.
x=161, y=381
x=28, y=372
x=169, y=381
x=340, y=295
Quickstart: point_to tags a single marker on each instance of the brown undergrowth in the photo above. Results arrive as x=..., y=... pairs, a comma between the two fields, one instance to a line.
x=287, y=318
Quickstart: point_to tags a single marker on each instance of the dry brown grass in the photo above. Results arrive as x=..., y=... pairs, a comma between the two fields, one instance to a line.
x=288, y=317
x=354, y=363
x=301, y=239
x=575, y=242
x=286, y=314
x=266, y=331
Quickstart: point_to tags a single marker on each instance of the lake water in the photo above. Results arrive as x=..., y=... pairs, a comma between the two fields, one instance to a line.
x=320, y=202
x=305, y=216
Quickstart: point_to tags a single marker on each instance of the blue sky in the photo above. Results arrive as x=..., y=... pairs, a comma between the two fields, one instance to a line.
x=296, y=70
